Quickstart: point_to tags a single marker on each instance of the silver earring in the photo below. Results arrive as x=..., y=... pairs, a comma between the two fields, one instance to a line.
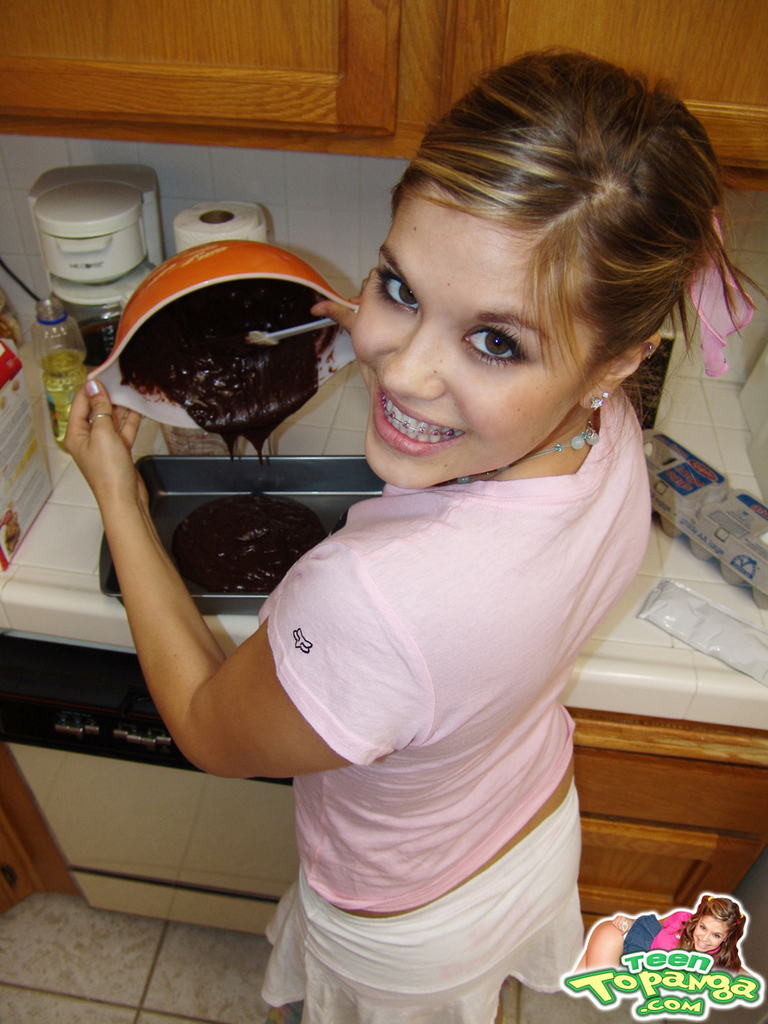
x=598, y=400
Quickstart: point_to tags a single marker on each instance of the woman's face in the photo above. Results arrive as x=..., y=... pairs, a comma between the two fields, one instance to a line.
x=708, y=934
x=454, y=366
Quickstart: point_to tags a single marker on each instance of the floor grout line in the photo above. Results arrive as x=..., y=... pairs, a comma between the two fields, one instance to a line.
x=67, y=996
x=134, y=1004
x=152, y=968
x=138, y=1010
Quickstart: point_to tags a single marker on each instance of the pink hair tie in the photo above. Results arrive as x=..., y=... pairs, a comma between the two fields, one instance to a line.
x=716, y=321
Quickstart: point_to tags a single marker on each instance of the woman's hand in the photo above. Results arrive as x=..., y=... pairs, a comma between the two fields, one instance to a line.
x=622, y=923
x=99, y=438
x=343, y=315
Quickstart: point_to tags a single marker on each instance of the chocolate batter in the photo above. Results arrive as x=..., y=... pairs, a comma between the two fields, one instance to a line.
x=244, y=543
x=194, y=352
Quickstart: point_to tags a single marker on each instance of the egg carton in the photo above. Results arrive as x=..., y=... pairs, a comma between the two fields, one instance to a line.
x=694, y=499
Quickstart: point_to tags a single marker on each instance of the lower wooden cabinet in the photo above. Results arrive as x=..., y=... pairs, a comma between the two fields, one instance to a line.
x=30, y=860
x=669, y=810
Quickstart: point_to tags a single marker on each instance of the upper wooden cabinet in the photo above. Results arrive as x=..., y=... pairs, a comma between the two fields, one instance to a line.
x=356, y=76
x=313, y=65
x=714, y=53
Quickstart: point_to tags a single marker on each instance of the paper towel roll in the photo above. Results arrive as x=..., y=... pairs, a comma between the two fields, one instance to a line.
x=211, y=222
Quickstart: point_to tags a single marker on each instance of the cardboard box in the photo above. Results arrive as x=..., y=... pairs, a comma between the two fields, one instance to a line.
x=695, y=499
x=25, y=483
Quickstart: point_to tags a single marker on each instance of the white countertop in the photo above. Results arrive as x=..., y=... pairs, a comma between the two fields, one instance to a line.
x=52, y=586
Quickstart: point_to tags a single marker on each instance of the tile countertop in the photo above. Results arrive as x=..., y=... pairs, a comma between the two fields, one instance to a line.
x=629, y=665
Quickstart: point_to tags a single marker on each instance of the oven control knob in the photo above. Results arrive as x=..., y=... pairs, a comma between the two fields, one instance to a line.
x=141, y=739
x=129, y=735
x=68, y=728
x=76, y=725
x=154, y=739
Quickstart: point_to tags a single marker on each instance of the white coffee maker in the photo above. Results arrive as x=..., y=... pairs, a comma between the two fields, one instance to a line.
x=98, y=227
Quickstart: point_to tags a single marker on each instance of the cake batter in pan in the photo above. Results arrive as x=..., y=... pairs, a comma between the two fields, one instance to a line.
x=328, y=485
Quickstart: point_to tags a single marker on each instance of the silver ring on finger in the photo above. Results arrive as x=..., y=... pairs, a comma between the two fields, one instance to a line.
x=97, y=414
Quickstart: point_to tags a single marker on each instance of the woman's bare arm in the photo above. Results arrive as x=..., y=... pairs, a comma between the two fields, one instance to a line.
x=229, y=715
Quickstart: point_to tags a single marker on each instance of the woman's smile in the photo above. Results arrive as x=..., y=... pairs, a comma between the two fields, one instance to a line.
x=415, y=429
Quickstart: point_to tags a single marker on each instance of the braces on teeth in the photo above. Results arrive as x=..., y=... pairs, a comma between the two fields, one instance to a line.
x=426, y=430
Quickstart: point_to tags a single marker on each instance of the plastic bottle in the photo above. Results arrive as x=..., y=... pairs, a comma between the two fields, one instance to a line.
x=60, y=352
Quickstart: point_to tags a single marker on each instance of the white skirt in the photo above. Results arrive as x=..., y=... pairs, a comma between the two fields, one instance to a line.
x=443, y=963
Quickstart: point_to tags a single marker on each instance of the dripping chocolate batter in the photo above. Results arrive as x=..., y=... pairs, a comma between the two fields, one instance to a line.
x=194, y=351
x=244, y=543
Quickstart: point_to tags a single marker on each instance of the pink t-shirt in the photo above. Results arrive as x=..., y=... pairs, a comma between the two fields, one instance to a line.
x=428, y=642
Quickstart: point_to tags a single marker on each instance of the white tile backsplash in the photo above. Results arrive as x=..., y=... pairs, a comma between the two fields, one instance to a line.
x=748, y=221
x=27, y=156
x=249, y=175
x=322, y=181
x=309, y=233
x=9, y=226
x=733, y=452
x=723, y=403
x=102, y=151
x=181, y=170
x=27, y=234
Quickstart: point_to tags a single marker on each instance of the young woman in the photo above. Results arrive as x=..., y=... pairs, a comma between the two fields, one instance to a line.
x=714, y=927
x=548, y=225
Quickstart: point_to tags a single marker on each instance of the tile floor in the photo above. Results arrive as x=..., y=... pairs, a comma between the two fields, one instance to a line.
x=62, y=962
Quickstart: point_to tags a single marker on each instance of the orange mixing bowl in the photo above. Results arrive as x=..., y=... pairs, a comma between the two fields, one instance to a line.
x=197, y=268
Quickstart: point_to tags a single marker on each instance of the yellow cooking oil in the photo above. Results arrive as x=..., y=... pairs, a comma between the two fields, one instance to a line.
x=63, y=375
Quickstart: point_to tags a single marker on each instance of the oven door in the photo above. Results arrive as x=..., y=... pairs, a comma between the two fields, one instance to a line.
x=141, y=830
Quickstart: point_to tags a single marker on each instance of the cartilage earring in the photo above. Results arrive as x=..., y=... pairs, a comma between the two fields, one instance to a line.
x=598, y=400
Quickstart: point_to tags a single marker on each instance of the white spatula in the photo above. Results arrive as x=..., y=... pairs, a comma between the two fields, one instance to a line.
x=273, y=337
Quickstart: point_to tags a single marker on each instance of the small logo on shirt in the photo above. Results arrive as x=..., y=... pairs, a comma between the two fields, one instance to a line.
x=300, y=642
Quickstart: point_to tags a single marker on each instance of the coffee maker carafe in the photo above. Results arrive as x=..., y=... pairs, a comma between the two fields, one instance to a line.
x=99, y=232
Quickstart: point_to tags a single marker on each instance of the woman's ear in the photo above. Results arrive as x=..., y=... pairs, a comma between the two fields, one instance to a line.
x=613, y=374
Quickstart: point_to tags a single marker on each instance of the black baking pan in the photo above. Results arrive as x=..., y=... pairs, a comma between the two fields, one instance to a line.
x=328, y=485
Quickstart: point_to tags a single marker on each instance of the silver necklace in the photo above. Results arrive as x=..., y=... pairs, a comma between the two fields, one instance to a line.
x=588, y=437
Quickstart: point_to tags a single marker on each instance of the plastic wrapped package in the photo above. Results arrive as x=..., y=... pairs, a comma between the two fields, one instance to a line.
x=708, y=627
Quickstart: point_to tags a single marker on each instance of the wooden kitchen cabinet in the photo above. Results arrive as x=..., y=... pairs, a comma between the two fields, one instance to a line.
x=669, y=810
x=29, y=858
x=355, y=76
x=157, y=69
x=715, y=54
